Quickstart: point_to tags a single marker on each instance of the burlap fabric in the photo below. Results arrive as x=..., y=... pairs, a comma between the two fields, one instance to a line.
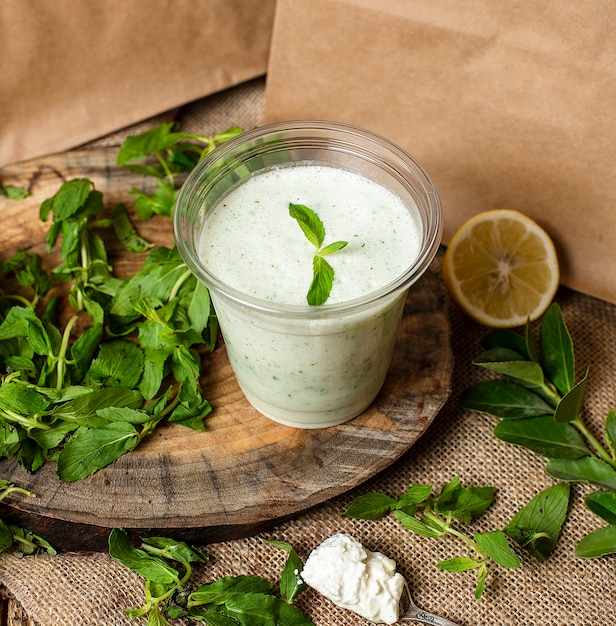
x=93, y=589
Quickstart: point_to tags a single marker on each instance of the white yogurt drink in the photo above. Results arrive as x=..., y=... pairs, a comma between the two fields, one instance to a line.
x=301, y=365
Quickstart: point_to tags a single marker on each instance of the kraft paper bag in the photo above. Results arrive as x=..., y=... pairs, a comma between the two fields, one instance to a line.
x=74, y=70
x=505, y=105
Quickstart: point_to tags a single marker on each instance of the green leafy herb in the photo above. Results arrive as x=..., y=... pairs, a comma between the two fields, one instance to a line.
x=12, y=536
x=167, y=566
x=291, y=583
x=537, y=526
x=540, y=407
x=165, y=153
x=322, y=271
x=12, y=192
x=92, y=362
x=433, y=516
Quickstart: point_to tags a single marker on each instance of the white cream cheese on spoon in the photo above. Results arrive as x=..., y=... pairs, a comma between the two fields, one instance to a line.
x=354, y=578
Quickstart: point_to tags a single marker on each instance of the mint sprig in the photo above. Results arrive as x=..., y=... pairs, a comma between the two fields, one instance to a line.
x=167, y=567
x=12, y=536
x=539, y=406
x=432, y=516
x=322, y=271
x=167, y=154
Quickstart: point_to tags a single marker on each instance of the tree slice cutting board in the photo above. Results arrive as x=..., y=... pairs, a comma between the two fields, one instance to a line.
x=245, y=472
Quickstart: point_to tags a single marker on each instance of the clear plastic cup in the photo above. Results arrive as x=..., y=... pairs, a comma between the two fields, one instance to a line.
x=308, y=366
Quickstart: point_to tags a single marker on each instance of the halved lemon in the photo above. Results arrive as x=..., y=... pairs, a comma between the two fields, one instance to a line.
x=501, y=268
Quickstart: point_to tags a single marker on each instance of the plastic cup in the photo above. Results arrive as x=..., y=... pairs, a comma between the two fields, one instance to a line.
x=308, y=366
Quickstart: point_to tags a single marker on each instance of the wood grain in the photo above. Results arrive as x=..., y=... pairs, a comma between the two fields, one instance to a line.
x=245, y=472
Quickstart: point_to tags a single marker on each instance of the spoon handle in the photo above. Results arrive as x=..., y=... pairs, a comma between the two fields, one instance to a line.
x=423, y=617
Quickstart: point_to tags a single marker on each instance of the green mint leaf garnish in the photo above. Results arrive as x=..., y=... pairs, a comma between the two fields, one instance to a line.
x=322, y=271
x=309, y=222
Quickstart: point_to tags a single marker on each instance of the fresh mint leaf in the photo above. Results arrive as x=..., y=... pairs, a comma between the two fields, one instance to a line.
x=543, y=435
x=13, y=192
x=460, y=564
x=309, y=222
x=587, y=469
x=537, y=525
x=557, y=353
x=600, y=542
x=504, y=399
x=494, y=543
x=125, y=231
x=68, y=200
x=322, y=271
x=291, y=584
x=415, y=494
x=91, y=449
x=157, y=139
x=603, y=504
x=322, y=281
x=371, y=506
x=119, y=363
x=333, y=247
x=174, y=550
x=219, y=591
x=465, y=503
x=570, y=406
x=421, y=527
x=151, y=567
x=28, y=269
x=160, y=202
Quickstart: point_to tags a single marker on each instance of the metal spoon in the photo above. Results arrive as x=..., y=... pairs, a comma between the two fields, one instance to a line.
x=415, y=614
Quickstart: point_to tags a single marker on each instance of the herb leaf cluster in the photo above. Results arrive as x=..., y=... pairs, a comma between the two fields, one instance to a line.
x=12, y=536
x=128, y=357
x=322, y=271
x=429, y=515
x=540, y=407
x=166, y=153
x=167, y=566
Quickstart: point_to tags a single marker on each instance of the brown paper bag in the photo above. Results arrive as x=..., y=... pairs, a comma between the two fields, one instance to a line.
x=74, y=70
x=506, y=105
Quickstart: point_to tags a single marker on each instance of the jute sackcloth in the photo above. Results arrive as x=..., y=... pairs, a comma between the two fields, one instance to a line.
x=93, y=589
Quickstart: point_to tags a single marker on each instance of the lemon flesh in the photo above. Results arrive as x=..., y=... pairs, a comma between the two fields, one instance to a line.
x=501, y=268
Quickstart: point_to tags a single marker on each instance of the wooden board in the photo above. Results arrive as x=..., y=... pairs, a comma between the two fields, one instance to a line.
x=245, y=472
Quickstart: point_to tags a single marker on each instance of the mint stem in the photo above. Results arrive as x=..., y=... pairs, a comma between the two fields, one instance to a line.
x=602, y=453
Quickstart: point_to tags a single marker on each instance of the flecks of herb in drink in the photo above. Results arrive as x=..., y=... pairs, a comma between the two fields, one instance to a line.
x=322, y=271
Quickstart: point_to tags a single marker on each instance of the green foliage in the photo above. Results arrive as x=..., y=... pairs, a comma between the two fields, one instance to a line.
x=12, y=536
x=167, y=566
x=538, y=524
x=85, y=397
x=540, y=407
x=165, y=153
x=433, y=516
x=322, y=271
